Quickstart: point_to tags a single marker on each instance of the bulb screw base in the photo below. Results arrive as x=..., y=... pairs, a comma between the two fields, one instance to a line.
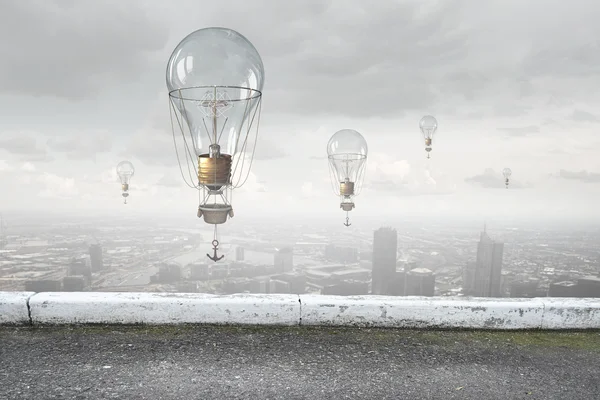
x=214, y=170
x=346, y=188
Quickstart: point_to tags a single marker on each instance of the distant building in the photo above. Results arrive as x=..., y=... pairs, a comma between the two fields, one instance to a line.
x=167, y=273
x=239, y=253
x=358, y=274
x=588, y=286
x=341, y=254
x=235, y=285
x=43, y=285
x=297, y=282
x=347, y=288
x=200, y=272
x=419, y=282
x=279, y=286
x=259, y=285
x=96, y=258
x=397, y=285
x=563, y=289
x=283, y=260
x=73, y=284
x=385, y=249
x=527, y=288
x=80, y=268
x=219, y=271
x=484, y=278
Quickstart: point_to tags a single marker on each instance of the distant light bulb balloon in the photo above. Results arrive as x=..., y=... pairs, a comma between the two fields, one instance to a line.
x=125, y=171
x=215, y=78
x=347, y=154
x=506, y=172
x=428, y=126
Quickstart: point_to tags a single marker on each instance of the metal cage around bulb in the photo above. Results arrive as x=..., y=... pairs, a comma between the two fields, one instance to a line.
x=216, y=142
x=347, y=155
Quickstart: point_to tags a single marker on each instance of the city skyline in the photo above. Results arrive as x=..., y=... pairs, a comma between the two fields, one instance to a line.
x=504, y=95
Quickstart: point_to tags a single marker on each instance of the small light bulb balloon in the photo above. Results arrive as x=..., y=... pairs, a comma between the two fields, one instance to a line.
x=215, y=78
x=125, y=171
x=506, y=172
x=428, y=126
x=347, y=154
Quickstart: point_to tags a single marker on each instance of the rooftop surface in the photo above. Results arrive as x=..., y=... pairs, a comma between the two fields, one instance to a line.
x=218, y=362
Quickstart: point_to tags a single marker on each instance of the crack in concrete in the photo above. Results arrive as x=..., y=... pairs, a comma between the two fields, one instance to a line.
x=300, y=319
x=29, y=309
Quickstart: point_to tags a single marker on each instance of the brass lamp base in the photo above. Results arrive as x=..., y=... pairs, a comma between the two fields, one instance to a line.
x=346, y=188
x=214, y=172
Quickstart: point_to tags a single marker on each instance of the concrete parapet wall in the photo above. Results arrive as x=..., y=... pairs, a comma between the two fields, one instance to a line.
x=163, y=308
x=13, y=308
x=260, y=309
x=422, y=312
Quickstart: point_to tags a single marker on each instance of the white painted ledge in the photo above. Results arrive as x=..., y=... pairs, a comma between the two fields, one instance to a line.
x=422, y=312
x=260, y=309
x=571, y=313
x=13, y=308
x=163, y=308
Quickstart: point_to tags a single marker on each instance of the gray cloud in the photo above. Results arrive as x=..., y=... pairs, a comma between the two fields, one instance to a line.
x=171, y=181
x=70, y=49
x=321, y=57
x=406, y=188
x=583, y=176
x=552, y=122
x=267, y=150
x=26, y=147
x=583, y=116
x=522, y=131
x=82, y=146
x=490, y=179
x=153, y=148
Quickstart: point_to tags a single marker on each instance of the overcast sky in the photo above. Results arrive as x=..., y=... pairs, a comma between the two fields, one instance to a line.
x=512, y=83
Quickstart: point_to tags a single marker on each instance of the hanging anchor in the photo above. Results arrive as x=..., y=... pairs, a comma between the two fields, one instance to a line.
x=214, y=257
x=347, y=223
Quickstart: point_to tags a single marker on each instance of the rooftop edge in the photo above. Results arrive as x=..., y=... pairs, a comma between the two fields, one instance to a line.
x=110, y=308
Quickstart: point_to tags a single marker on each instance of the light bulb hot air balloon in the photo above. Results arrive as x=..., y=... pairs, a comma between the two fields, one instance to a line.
x=347, y=153
x=125, y=171
x=506, y=172
x=428, y=126
x=215, y=79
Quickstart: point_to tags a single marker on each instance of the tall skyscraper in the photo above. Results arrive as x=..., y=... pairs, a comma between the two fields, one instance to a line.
x=385, y=250
x=239, y=253
x=96, y=257
x=484, y=279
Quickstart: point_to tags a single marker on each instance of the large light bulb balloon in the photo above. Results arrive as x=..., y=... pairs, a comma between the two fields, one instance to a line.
x=125, y=171
x=506, y=172
x=428, y=126
x=347, y=153
x=215, y=78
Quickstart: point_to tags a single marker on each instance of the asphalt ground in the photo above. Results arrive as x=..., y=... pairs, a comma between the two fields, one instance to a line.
x=192, y=362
